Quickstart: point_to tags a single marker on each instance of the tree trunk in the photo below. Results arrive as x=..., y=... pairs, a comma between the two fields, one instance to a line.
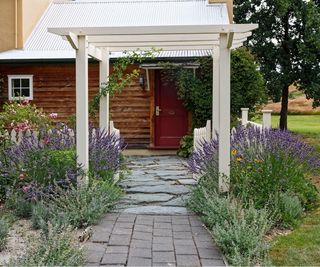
x=284, y=108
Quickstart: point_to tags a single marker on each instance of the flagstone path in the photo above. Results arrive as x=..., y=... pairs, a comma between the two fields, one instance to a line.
x=151, y=225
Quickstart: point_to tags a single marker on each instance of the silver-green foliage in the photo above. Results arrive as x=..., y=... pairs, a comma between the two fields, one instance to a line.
x=4, y=230
x=56, y=248
x=238, y=230
x=78, y=207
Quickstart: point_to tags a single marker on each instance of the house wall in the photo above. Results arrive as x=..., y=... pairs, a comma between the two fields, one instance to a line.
x=54, y=91
x=17, y=20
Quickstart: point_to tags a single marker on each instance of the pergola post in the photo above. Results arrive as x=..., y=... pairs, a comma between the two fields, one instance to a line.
x=215, y=92
x=82, y=117
x=104, y=100
x=224, y=113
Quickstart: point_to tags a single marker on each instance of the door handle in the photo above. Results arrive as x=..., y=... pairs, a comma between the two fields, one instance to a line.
x=158, y=110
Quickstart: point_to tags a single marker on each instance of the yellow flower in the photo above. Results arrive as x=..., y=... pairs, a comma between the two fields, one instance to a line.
x=239, y=159
x=258, y=160
x=234, y=152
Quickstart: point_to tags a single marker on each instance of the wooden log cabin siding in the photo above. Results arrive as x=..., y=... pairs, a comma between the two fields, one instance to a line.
x=54, y=91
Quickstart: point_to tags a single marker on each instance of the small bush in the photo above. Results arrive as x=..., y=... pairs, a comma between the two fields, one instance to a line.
x=289, y=208
x=104, y=154
x=238, y=229
x=20, y=206
x=78, y=207
x=57, y=248
x=186, y=146
x=21, y=116
x=4, y=230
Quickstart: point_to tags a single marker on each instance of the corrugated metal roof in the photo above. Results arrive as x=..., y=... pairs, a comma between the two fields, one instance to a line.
x=92, y=13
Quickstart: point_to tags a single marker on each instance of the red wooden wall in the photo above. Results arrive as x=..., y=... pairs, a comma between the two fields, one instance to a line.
x=54, y=91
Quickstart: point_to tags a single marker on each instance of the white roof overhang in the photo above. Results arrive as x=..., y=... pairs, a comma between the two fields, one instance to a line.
x=169, y=38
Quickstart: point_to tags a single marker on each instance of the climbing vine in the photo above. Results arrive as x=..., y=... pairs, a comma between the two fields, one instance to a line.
x=119, y=79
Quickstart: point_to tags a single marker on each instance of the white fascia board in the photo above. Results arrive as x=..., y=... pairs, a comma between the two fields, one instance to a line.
x=156, y=44
x=164, y=48
x=154, y=30
x=152, y=38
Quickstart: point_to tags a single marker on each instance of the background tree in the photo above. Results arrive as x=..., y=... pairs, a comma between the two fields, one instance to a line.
x=247, y=86
x=287, y=45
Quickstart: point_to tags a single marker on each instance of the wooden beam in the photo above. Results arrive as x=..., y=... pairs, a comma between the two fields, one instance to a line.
x=230, y=39
x=155, y=30
x=224, y=113
x=82, y=116
x=73, y=40
x=94, y=52
x=104, y=106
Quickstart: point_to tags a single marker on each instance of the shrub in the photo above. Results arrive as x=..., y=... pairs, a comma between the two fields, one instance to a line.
x=289, y=208
x=263, y=164
x=247, y=86
x=4, y=230
x=238, y=229
x=104, y=154
x=18, y=203
x=21, y=116
x=78, y=207
x=57, y=248
x=186, y=146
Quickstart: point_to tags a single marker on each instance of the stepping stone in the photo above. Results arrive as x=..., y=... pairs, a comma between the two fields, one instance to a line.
x=173, y=189
x=157, y=210
x=145, y=198
x=187, y=181
x=177, y=202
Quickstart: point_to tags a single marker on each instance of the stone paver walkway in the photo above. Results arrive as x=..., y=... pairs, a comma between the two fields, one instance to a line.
x=151, y=226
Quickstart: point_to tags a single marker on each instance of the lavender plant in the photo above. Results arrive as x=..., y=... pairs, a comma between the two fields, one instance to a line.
x=264, y=164
x=104, y=154
x=38, y=164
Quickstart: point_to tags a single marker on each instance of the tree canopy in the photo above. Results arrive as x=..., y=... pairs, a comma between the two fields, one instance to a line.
x=287, y=45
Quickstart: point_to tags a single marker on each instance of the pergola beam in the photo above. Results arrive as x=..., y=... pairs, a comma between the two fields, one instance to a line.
x=155, y=30
x=94, y=52
x=73, y=40
x=161, y=38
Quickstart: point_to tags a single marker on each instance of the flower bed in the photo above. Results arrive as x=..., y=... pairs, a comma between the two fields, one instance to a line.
x=269, y=182
x=38, y=178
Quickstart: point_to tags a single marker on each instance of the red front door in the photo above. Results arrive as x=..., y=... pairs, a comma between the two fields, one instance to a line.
x=171, y=117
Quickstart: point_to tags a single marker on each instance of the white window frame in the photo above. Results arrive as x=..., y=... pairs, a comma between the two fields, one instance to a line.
x=11, y=77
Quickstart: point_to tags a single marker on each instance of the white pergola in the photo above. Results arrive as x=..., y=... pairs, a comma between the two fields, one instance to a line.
x=98, y=42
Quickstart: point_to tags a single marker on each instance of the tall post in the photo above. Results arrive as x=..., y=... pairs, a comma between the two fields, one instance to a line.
x=104, y=101
x=244, y=116
x=82, y=116
x=215, y=92
x=224, y=114
x=266, y=118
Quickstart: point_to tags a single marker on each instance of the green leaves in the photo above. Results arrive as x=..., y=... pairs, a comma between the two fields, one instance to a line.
x=287, y=43
x=120, y=77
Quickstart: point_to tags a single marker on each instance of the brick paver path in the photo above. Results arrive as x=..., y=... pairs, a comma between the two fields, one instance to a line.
x=152, y=227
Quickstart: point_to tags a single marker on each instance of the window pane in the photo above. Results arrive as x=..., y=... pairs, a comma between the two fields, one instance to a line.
x=25, y=83
x=15, y=83
x=25, y=92
x=16, y=93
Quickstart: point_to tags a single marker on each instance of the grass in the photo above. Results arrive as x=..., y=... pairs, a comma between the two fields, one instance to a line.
x=302, y=246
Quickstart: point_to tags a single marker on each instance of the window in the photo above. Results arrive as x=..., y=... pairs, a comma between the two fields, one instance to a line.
x=20, y=86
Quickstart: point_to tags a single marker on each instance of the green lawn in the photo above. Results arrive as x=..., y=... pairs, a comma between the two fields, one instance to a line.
x=302, y=246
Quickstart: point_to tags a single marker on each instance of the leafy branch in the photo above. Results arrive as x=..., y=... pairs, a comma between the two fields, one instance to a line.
x=118, y=79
